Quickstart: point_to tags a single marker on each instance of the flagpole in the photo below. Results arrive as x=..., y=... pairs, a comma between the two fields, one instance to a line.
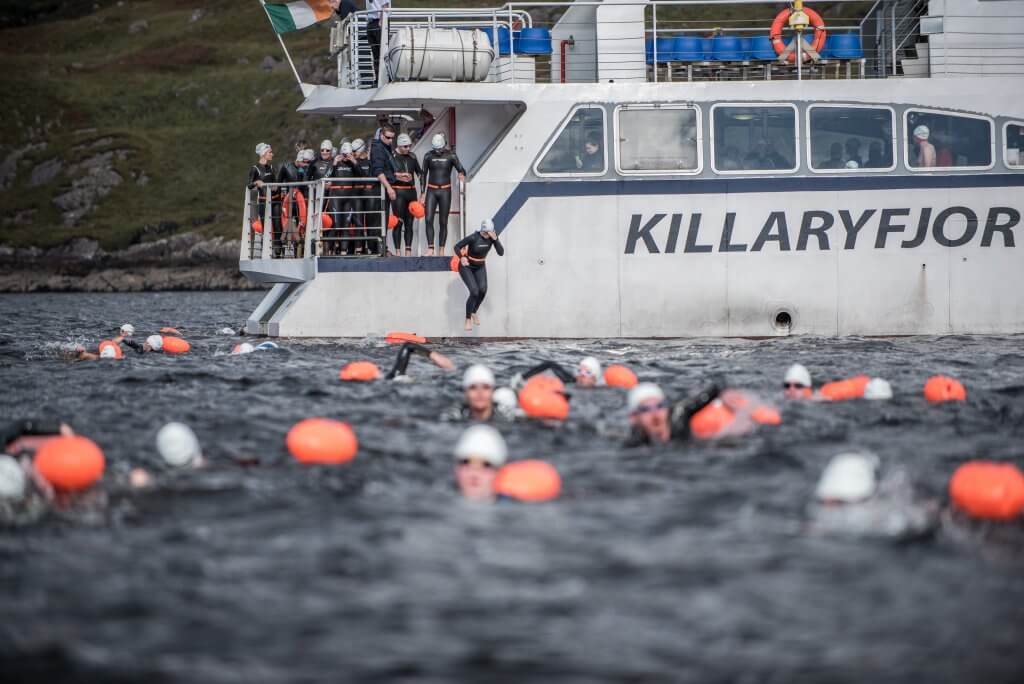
x=283, y=47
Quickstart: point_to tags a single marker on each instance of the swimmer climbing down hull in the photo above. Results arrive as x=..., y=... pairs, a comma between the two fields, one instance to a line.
x=472, y=251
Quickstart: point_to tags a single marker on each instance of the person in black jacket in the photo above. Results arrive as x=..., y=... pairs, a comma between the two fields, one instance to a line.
x=261, y=173
x=382, y=165
x=472, y=251
x=436, y=189
x=407, y=170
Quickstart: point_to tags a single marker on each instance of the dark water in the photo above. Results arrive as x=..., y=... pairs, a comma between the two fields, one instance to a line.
x=681, y=564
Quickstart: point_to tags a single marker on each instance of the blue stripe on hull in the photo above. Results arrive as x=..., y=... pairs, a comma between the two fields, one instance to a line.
x=688, y=186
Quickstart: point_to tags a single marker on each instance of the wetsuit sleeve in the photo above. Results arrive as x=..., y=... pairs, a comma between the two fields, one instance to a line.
x=42, y=426
x=379, y=163
x=282, y=175
x=458, y=165
x=684, y=410
x=426, y=166
x=254, y=175
x=404, y=354
x=137, y=346
x=554, y=367
x=498, y=248
x=464, y=242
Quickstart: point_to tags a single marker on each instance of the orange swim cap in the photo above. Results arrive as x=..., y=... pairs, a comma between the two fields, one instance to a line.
x=70, y=464
x=359, y=371
x=984, y=489
x=417, y=210
x=175, y=345
x=942, y=388
x=540, y=402
x=620, y=376
x=842, y=390
x=528, y=480
x=709, y=422
x=322, y=440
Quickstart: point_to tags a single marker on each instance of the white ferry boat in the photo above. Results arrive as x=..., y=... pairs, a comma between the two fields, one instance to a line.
x=655, y=171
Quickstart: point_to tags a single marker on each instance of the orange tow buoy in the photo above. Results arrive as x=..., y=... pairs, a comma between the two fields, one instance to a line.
x=766, y=415
x=359, y=371
x=322, y=440
x=399, y=337
x=115, y=348
x=985, y=489
x=620, y=376
x=546, y=383
x=529, y=480
x=841, y=390
x=175, y=345
x=326, y=222
x=711, y=420
x=417, y=210
x=454, y=264
x=942, y=388
x=392, y=222
x=538, y=401
x=70, y=463
x=257, y=226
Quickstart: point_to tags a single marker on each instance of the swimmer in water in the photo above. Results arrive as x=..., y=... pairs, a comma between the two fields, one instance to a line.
x=406, y=352
x=472, y=251
x=24, y=495
x=653, y=421
x=153, y=343
x=588, y=373
x=850, y=501
x=480, y=452
x=797, y=382
x=478, y=396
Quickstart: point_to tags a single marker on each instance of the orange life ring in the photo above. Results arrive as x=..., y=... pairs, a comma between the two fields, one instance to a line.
x=776, y=33
x=285, y=208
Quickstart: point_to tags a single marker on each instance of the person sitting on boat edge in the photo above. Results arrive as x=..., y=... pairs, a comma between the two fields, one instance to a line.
x=479, y=453
x=405, y=354
x=653, y=421
x=472, y=251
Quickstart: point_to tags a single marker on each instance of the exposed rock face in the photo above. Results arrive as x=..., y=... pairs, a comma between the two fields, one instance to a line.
x=138, y=26
x=94, y=177
x=183, y=262
x=45, y=172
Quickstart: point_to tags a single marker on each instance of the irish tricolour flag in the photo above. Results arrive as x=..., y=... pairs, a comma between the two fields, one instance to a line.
x=295, y=16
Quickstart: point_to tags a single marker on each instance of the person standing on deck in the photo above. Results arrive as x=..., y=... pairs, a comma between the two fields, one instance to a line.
x=436, y=189
x=368, y=208
x=407, y=169
x=382, y=164
x=260, y=174
x=472, y=251
x=373, y=28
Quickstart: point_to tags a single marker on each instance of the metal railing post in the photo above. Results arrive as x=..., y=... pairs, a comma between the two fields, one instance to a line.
x=268, y=224
x=314, y=208
x=654, y=41
x=511, y=43
x=799, y=57
x=892, y=26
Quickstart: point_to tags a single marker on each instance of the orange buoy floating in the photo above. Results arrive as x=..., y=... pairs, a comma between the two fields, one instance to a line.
x=115, y=350
x=529, y=480
x=322, y=440
x=711, y=420
x=257, y=226
x=392, y=222
x=985, y=489
x=943, y=388
x=359, y=371
x=175, y=345
x=454, y=264
x=71, y=463
x=399, y=337
x=538, y=401
x=842, y=390
x=620, y=376
x=766, y=415
x=417, y=210
x=546, y=383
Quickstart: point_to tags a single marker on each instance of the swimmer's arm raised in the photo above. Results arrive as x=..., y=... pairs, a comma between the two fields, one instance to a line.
x=554, y=367
x=685, y=409
x=410, y=348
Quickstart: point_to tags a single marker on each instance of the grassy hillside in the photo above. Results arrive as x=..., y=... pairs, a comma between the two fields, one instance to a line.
x=131, y=120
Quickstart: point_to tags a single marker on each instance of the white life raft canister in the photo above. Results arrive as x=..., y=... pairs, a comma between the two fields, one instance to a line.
x=439, y=54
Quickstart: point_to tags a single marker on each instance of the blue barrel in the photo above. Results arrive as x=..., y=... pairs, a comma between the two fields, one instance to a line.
x=502, y=45
x=843, y=46
x=745, y=46
x=708, y=47
x=688, y=49
x=649, y=50
x=727, y=49
x=532, y=41
x=761, y=48
x=666, y=50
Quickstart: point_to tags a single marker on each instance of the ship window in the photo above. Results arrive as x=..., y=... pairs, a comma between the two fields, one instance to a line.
x=748, y=139
x=579, y=148
x=1015, y=145
x=658, y=139
x=851, y=138
x=946, y=141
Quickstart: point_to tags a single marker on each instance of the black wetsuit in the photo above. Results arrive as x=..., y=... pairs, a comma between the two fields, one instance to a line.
x=382, y=161
x=319, y=168
x=405, y=192
x=680, y=415
x=267, y=174
x=436, y=183
x=368, y=208
x=402, y=360
x=132, y=344
x=553, y=366
x=41, y=427
x=291, y=173
x=475, y=275
x=343, y=204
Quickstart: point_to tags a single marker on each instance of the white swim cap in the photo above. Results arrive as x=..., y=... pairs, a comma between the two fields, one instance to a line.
x=261, y=149
x=127, y=330
x=483, y=442
x=848, y=478
x=403, y=140
x=878, y=388
x=326, y=145
x=591, y=367
x=309, y=155
x=155, y=342
x=437, y=142
x=177, y=444
x=12, y=478
x=505, y=399
x=852, y=164
x=358, y=144
x=243, y=348
x=478, y=375
x=486, y=224
x=264, y=346
x=645, y=391
x=108, y=352
x=346, y=148
x=921, y=132
x=798, y=374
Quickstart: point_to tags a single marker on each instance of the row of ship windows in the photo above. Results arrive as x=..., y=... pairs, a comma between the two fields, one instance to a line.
x=666, y=139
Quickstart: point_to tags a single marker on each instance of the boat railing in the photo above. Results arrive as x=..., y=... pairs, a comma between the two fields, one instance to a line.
x=277, y=224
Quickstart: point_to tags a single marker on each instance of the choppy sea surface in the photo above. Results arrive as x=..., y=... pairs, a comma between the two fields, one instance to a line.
x=686, y=563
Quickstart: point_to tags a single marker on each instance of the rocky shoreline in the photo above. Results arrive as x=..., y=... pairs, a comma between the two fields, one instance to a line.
x=183, y=262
